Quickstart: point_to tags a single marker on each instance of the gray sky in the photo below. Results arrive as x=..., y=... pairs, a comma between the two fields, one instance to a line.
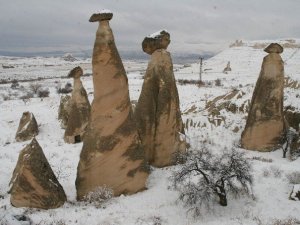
x=195, y=26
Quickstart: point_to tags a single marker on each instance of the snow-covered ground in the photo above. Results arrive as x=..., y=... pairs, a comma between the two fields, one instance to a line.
x=159, y=203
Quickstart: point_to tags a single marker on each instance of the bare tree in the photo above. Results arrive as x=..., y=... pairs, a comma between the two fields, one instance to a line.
x=34, y=87
x=205, y=176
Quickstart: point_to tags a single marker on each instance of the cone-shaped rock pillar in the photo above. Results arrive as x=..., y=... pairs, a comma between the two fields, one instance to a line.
x=158, y=112
x=33, y=183
x=265, y=122
x=28, y=127
x=79, y=112
x=111, y=153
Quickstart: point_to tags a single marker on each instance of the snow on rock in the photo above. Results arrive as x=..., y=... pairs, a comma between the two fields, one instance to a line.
x=159, y=203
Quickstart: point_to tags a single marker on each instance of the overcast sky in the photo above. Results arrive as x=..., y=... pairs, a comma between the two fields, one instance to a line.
x=195, y=25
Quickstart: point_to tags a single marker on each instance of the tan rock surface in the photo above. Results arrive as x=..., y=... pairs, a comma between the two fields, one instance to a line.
x=111, y=153
x=33, y=183
x=265, y=123
x=157, y=112
x=28, y=127
x=79, y=112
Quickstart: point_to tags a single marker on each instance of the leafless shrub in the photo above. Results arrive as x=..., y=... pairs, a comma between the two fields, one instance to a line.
x=289, y=221
x=205, y=176
x=34, y=87
x=218, y=82
x=293, y=177
x=43, y=92
x=99, y=196
x=259, y=158
x=266, y=172
x=185, y=82
x=14, y=84
x=26, y=97
x=277, y=172
x=67, y=89
x=273, y=170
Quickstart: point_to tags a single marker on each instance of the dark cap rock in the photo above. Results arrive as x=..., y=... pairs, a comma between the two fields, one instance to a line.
x=158, y=40
x=103, y=15
x=274, y=48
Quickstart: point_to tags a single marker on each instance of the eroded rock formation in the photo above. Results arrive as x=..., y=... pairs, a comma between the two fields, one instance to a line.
x=28, y=127
x=227, y=68
x=265, y=123
x=64, y=110
x=33, y=183
x=157, y=112
x=79, y=110
x=112, y=155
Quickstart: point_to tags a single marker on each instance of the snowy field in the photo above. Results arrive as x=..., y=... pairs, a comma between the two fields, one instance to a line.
x=159, y=204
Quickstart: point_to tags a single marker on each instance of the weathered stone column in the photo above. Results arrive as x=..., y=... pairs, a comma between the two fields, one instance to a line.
x=112, y=154
x=265, y=124
x=158, y=111
x=79, y=111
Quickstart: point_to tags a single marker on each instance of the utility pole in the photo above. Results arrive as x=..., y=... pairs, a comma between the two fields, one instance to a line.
x=200, y=72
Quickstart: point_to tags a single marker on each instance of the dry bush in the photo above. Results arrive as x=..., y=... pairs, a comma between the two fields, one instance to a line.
x=99, y=196
x=185, y=82
x=67, y=89
x=293, y=177
x=14, y=84
x=34, y=87
x=218, y=82
x=289, y=221
x=43, y=92
x=259, y=158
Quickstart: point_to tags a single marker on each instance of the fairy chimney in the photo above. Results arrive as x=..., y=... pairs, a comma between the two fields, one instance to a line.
x=158, y=112
x=158, y=40
x=28, y=127
x=112, y=155
x=33, y=183
x=79, y=109
x=64, y=110
x=265, y=123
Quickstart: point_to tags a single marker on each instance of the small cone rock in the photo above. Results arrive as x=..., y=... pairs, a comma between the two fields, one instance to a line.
x=265, y=124
x=158, y=112
x=28, y=127
x=33, y=183
x=111, y=155
x=79, y=112
x=64, y=110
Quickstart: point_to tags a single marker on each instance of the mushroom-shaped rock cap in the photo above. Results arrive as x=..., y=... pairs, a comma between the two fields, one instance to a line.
x=158, y=40
x=104, y=14
x=274, y=48
x=76, y=72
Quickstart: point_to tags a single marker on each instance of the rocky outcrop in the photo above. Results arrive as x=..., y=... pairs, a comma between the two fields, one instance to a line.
x=265, y=123
x=227, y=68
x=28, y=127
x=33, y=183
x=112, y=155
x=79, y=109
x=157, y=112
x=64, y=110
